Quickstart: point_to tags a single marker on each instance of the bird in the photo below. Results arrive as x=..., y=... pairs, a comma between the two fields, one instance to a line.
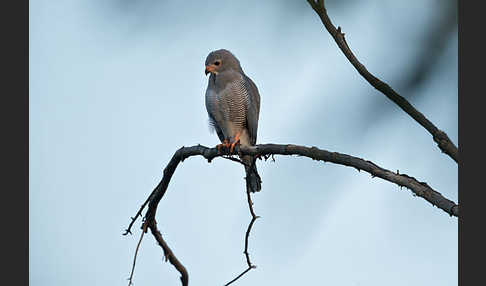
x=233, y=106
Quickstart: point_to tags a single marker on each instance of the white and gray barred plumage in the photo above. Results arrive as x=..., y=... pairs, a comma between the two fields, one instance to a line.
x=233, y=105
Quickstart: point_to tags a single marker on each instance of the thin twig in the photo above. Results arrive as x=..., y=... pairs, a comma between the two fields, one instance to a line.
x=238, y=277
x=139, y=213
x=144, y=230
x=247, y=236
x=439, y=136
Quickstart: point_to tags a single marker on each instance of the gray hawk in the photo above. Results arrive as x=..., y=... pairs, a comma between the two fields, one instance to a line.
x=233, y=105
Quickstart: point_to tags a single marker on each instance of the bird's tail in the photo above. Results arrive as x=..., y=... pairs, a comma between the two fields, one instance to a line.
x=253, y=180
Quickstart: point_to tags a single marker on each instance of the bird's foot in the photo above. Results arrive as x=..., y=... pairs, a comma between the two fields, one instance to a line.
x=225, y=144
x=237, y=140
x=232, y=146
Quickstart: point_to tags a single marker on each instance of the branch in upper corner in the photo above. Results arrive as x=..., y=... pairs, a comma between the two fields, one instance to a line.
x=439, y=136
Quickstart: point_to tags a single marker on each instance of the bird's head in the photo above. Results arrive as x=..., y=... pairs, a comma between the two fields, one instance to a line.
x=221, y=60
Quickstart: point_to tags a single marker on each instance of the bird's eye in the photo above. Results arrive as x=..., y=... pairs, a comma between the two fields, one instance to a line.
x=217, y=63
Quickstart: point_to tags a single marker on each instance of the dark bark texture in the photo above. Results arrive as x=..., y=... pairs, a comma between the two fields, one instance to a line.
x=420, y=189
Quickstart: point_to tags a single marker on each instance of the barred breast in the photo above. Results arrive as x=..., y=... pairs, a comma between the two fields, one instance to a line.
x=229, y=107
x=235, y=98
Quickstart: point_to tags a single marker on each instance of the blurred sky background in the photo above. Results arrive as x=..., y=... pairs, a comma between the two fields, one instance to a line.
x=117, y=86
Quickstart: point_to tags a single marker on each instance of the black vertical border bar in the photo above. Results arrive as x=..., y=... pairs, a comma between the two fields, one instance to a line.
x=461, y=143
x=14, y=118
x=472, y=128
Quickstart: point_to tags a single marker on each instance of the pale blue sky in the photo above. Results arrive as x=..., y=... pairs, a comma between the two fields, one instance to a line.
x=116, y=87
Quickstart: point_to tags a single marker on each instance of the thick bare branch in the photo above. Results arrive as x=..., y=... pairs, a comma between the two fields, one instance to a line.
x=420, y=189
x=439, y=136
x=168, y=254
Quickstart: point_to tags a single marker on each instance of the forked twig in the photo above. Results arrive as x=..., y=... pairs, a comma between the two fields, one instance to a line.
x=139, y=213
x=247, y=236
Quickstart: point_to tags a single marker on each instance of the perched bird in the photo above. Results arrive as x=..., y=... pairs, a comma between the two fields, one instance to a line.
x=233, y=105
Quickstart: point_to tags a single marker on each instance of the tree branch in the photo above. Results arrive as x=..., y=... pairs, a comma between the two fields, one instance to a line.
x=439, y=136
x=420, y=189
x=139, y=214
x=144, y=230
x=247, y=236
x=168, y=254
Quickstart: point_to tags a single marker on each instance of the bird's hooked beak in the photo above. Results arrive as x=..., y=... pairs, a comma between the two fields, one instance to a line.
x=209, y=69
